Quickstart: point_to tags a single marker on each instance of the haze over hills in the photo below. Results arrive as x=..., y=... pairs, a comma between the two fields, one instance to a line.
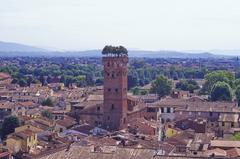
x=15, y=49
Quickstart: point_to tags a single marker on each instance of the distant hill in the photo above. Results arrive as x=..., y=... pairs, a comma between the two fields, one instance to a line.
x=15, y=47
x=170, y=54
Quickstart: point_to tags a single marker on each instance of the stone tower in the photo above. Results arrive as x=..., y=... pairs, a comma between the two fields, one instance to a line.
x=115, y=91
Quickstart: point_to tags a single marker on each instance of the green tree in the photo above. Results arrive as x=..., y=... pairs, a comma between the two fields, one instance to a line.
x=114, y=50
x=135, y=91
x=132, y=81
x=161, y=86
x=47, y=114
x=47, y=102
x=237, y=93
x=236, y=83
x=214, y=77
x=9, y=125
x=99, y=82
x=221, y=91
x=187, y=85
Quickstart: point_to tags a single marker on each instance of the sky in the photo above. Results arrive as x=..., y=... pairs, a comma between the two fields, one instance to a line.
x=136, y=24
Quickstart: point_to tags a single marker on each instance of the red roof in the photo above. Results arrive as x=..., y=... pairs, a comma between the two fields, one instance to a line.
x=4, y=154
x=4, y=76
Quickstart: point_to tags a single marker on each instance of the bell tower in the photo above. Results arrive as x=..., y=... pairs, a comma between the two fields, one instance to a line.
x=115, y=89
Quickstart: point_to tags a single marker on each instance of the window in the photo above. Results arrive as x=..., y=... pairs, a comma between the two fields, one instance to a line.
x=223, y=124
x=116, y=90
x=113, y=75
x=151, y=110
x=98, y=108
x=162, y=110
x=162, y=120
x=210, y=113
x=108, y=117
x=232, y=124
x=113, y=107
x=109, y=89
x=168, y=110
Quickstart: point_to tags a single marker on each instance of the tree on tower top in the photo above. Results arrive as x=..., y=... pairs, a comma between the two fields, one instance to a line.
x=115, y=50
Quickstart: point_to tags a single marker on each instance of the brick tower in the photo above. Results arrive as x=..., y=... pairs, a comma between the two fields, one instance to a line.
x=115, y=91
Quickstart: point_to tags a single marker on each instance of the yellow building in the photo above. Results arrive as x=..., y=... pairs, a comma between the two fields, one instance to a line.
x=28, y=126
x=170, y=132
x=25, y=140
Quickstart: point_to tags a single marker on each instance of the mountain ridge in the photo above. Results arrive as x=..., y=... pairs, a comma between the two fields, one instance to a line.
x=9, y=49
x=12, y=47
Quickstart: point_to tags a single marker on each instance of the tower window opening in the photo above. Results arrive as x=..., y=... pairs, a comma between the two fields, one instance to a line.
x=116, y=90
x=98, y=108
x=113, y=107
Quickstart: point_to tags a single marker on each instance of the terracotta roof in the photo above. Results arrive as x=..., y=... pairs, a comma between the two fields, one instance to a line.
x=89, y=104
x=132, y=98
x=24, y=134
x=225, y=143
x=234, y=152
x=148, y=86
x=217, y=152
x=39, y=125
x=95, y=98
x=66, y=122
x=27, y=104
x=204, y=106
x=225, y=117
x=4, y=76
x=6, y=105
x=85, y=129
x=4, y=154
x=104, y=152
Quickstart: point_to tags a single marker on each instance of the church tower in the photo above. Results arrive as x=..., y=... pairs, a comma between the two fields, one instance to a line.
x=115, y=87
